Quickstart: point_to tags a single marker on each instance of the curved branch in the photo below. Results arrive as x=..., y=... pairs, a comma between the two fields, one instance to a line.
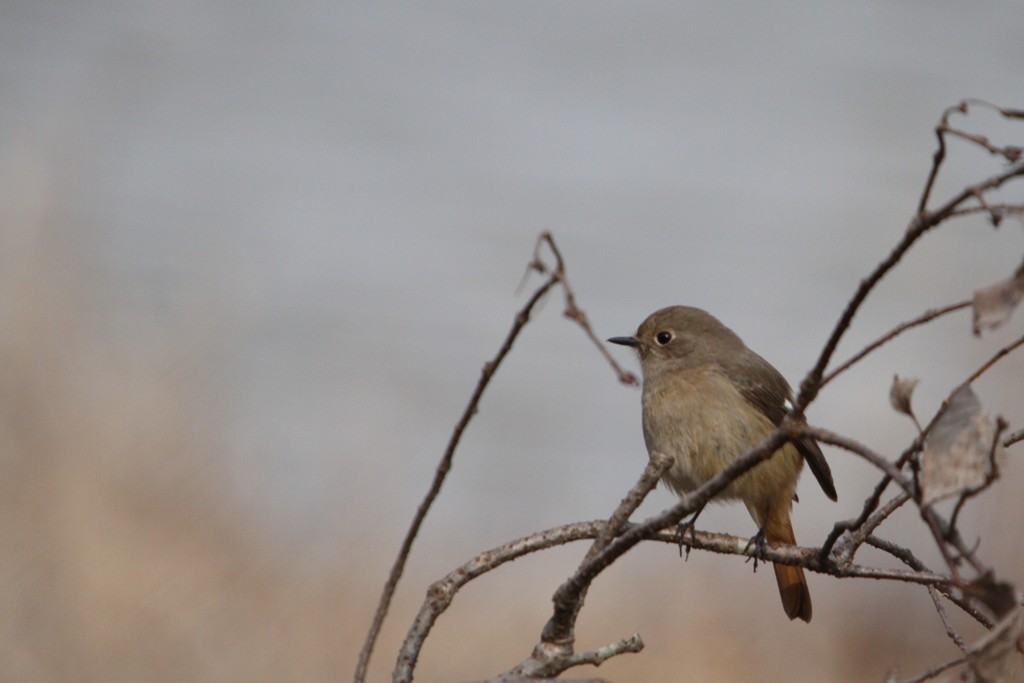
x=442, y=592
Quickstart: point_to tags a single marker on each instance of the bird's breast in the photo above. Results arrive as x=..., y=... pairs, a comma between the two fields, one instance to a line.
x=700, y=419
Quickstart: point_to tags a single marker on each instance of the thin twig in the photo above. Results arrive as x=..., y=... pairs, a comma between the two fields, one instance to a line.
x=904, y=555
x=574, y=312
x=939, y=156
x=869, y=507
x=925, y=317
x=1010, y=153
x=859, y=533
x=943, y=127
x=854, y=446
x=951, y=631
x=597, y=657
x=1001, y=210
x=996, y=357
x=935, y=670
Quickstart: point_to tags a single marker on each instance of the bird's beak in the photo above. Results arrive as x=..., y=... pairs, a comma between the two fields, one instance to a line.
x=625, y=341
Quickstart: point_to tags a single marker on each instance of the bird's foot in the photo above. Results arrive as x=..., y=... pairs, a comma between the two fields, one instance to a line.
x=683, y=527
x=760, y=544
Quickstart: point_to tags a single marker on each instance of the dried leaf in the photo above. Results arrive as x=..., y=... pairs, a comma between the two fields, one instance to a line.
x=956, y=453
x=900, y=393
x=995, y=656
x=999, y=596
x=993, y=305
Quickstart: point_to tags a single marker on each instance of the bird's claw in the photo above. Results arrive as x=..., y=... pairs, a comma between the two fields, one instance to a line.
x=682, y=528
x=760, y=544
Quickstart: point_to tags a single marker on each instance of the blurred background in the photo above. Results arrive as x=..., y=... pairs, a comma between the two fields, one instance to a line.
x=254, y=256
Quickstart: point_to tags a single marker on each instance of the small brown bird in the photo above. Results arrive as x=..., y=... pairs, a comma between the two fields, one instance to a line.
x=708, y=399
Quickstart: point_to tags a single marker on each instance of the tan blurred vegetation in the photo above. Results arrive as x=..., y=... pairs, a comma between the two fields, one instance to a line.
x=123, y=557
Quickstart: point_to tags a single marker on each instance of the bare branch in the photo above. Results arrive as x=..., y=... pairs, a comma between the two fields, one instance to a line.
x=936, y=670
x=657, y=465
x=940, y=153
x=951, y=631
x=556, y=277
x=876, y=459
x=927, y=316
x=574, y=312
x=939, y=156
x=548, y=658
x=808, y=558
x=859, y=533
x=922, y=223
x=1011, y=154
x=550, y=654
x=597, y=657
x=489, y=368
x=442, y=592
x=554, y=653
x=999, y=355
x=996, y=212
x=961, y=600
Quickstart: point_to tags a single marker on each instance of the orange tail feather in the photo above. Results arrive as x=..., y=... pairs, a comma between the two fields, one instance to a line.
x=796, y=598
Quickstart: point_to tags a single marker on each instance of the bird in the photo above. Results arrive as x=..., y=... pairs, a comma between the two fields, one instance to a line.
x=708, y=399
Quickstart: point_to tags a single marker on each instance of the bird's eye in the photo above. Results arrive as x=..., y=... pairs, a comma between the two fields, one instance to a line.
x=663, y=337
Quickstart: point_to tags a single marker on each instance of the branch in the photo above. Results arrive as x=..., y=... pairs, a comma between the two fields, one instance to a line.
x=1011, y=154
x=936, y=670
x=568, y=596
x=556, y=276
x=554, y=653
x=860, y=531
x=442, y=592
x=808, y=558
x=922, y=223
x=925, y=317
x=657, y=465
x=489, y=368
x=572, y=311
x=908, y=558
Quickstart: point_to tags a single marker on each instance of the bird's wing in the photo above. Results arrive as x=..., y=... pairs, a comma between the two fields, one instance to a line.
x=767, y=390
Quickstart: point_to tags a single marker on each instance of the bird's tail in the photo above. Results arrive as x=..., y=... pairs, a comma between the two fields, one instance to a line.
x=796, y=598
